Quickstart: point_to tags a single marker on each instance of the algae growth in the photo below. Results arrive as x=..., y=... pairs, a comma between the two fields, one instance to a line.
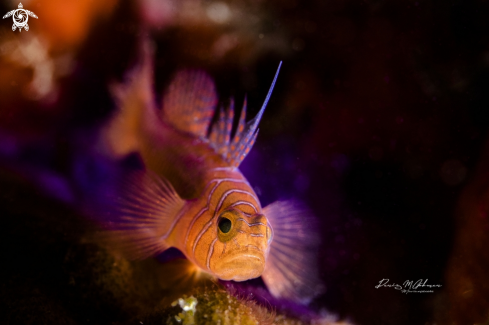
x=217, y=306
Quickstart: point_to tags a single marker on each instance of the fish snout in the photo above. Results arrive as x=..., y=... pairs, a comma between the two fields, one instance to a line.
x=245, y=246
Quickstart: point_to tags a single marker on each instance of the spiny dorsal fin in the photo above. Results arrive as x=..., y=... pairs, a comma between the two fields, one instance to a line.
x=190, y=101
x=236, y=150
x=221, y=131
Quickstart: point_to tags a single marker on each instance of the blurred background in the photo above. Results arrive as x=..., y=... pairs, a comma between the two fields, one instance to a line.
x=378, y=121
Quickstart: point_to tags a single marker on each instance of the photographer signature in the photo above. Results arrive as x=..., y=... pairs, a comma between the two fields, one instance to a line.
x=409, y=286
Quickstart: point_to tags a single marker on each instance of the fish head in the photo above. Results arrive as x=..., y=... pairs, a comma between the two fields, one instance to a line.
x=242, y=245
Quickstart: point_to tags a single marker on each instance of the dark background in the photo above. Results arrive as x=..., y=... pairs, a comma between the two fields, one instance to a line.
x=378, y=121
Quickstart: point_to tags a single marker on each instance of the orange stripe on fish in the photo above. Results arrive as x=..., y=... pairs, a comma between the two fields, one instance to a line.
x=192, y=195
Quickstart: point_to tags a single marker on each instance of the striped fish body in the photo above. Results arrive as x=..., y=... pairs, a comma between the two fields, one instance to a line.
x=180, y=158
x=207, y=193
x=213, y=191
x=239, y=253
x=192, y=195
x=204, y=189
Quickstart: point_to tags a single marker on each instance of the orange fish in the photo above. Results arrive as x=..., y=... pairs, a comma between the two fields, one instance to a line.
x=192, y=195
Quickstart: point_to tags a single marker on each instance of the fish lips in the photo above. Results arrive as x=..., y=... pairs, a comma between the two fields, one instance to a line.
x=240, y=265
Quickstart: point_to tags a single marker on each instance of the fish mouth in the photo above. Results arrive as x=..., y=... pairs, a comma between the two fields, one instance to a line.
x=241, y=265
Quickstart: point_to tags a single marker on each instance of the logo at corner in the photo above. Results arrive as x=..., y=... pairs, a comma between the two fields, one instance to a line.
x=20, y=17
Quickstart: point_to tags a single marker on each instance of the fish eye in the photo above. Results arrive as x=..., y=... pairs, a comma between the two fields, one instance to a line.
x=225, y=225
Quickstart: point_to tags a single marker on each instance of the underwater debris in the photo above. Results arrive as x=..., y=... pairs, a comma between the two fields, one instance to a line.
x=188, y=305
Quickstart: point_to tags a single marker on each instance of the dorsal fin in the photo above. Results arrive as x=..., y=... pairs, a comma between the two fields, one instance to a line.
x=221, y=131
x=189, y=102
x=236, y=150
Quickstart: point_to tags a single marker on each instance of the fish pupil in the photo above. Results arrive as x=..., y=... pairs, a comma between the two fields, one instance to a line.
x=225, y=225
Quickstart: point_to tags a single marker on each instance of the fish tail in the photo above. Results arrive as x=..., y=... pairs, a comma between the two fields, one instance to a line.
x=135, y=111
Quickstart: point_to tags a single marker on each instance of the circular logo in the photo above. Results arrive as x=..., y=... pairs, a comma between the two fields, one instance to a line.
x=20, y=18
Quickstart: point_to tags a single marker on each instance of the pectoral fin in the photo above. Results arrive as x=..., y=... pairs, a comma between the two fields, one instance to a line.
x=143, y=210
x=291, y=269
